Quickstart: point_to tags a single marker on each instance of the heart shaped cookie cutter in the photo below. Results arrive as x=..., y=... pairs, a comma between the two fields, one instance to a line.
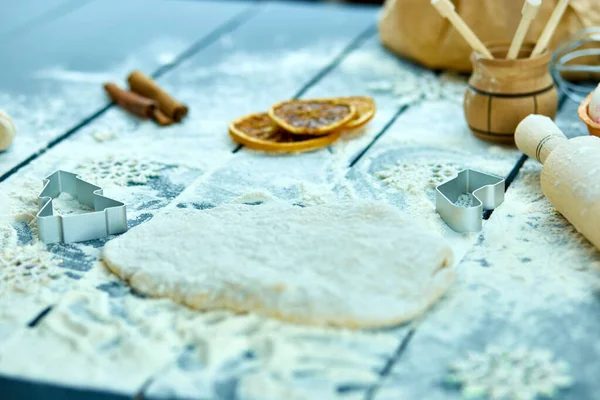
x=482, y=192
x=108, y=218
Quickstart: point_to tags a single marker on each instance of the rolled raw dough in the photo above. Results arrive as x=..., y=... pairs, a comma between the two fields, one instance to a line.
x=361, y=264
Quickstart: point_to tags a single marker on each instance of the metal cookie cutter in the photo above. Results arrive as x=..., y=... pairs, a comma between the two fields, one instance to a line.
x=481, y=192
x=108, y=218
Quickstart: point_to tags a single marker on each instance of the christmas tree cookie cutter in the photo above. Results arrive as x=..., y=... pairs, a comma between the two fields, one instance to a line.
x=108, y=218
x=484, y=191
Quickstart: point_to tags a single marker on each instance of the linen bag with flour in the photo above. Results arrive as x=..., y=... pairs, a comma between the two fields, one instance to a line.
x=414, y=29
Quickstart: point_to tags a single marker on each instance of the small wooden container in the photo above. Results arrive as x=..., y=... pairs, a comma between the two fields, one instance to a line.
x=502, y=92
x=584, y=115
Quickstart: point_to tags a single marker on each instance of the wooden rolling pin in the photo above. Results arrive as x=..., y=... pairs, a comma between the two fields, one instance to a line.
x=570, y=173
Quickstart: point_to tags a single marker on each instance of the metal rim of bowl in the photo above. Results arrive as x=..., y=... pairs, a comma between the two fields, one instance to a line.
x=567, y=52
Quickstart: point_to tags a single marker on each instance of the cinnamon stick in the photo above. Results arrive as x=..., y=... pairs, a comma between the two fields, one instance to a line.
x=145, y=86
x=129, y=101
x=161, y=119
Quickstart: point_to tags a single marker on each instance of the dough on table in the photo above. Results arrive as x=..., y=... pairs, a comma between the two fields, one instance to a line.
x=358, y=264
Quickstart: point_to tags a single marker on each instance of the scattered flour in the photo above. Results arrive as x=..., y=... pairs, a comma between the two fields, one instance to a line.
x=99, y=342
x=526, y=247
x=65, y=204
x=464, y=200
x=22, y=198
x=102, y=136
x=101, y=339
x=24, y=269
x=416, y=177
x=90, y=346
x=118, y=170
x=8, y=236
x=254, y=197
x=510, y=374
x=529, y=281
x=283, y=360
x=270, y=358
x=281, y=62
x=409, y=88
x=407, y=83
x=312, y=194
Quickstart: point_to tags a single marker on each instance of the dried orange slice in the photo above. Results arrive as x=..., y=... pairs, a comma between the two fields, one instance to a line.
x=312, y=117
x=260, y=132
x=365, y=110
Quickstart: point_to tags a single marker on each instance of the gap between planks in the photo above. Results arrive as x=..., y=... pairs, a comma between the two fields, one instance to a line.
x=38, y=318
x=389, y=365
x=387, y=126
x=227, y=27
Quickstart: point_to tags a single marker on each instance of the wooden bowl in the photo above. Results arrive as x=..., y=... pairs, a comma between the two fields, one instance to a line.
x=593, y=127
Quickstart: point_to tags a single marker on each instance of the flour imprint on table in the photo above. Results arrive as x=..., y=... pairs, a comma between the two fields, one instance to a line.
x=25, y=269
x=358, y=264
x=118, y=170
x=515, y=373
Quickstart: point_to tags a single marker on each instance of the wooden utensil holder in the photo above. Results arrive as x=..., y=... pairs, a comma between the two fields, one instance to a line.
x=584, y=115
x=502, y=92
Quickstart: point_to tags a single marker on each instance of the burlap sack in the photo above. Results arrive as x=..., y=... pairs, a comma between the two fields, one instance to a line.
x=414, y=29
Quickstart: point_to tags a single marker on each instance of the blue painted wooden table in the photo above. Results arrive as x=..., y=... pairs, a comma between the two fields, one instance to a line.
x=527, y=280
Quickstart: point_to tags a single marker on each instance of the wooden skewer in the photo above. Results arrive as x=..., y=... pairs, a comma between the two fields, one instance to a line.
x=446, y=9
x=550, y=27
x=530, y=10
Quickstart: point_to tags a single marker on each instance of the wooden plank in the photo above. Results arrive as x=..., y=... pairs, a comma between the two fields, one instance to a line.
x=530, y=282
x=270, y=57
x=20, y=17
x=53, y=79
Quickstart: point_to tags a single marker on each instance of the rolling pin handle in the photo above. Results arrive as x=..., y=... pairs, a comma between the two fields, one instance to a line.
x=537, y=136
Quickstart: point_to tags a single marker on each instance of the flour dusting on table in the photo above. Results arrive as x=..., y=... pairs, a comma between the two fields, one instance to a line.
x=527, y=260
x=24, y=269
x=118, y=170
x=516, y=374
x=417, y=176
x=65, y=204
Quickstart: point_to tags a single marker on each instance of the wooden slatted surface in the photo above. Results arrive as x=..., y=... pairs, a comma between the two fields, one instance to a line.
x=225, y=59
x=19, y=18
